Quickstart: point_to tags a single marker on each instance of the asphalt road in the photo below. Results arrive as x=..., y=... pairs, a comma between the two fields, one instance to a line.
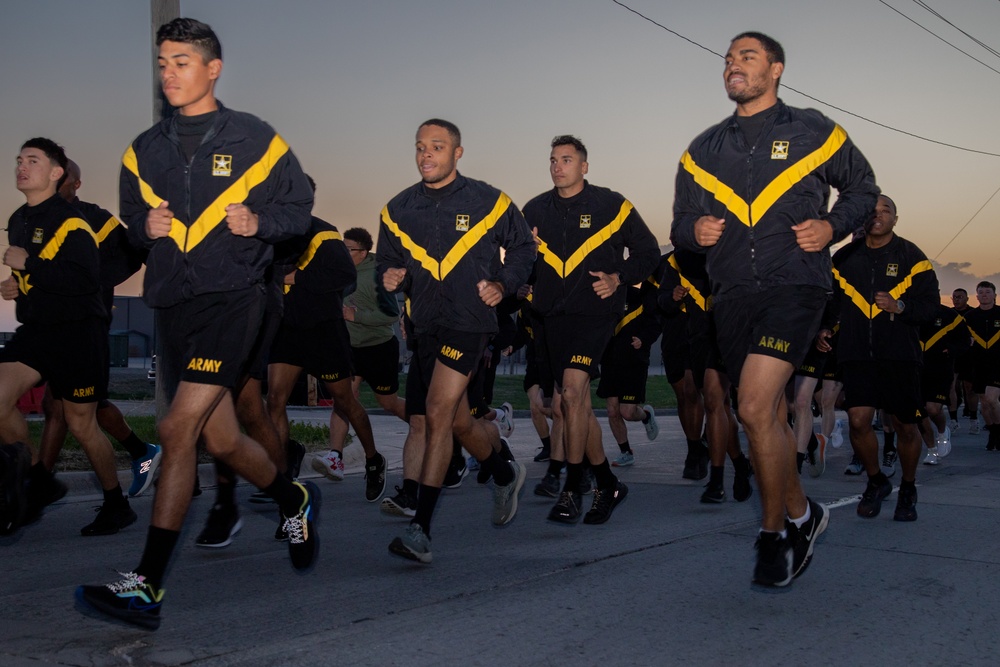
x=666, y=581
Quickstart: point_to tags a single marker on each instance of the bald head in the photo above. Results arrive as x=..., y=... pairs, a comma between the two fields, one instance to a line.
x=72, y=182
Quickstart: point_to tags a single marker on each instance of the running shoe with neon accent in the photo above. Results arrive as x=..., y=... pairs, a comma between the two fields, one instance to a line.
x=143, y=469
x=131, y=600
x=303, y=540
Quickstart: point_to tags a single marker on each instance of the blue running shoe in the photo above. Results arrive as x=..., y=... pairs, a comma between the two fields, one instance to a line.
x=143, y=469
x=131, y=600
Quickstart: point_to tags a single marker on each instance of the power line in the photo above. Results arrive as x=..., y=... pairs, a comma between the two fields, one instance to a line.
x=816, y=99
x=939, y=37
x=986, y=46
x=966, y=224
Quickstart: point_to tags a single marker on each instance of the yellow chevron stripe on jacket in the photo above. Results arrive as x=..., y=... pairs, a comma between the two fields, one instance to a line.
x=314, y=245
x=105, y=231
x=564, y=268
x=188, y=238
x=51, y=249
x=870, y=309
x=631, y=315
x=693, y=292
x=941, y=333
x=982, y=342
x=781, y=184
x=440, y=270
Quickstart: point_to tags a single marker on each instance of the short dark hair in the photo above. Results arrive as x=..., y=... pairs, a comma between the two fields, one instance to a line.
x=886, y=197
x=53, y=151
x=361, y=236
x=986, y=283
x=194, y=32
x=453, y=131
x=960, y=289
x=570, y=140
x=775, y=52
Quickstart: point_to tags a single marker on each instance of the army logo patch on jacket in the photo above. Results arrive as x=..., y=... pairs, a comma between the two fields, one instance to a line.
x=222, y=165
x=779, y=150
x=37, y=235
x=461, y=223
x=584, y=222
x=892, y=270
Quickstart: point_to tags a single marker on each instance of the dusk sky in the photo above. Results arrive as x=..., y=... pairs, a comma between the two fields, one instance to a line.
x=347, y=84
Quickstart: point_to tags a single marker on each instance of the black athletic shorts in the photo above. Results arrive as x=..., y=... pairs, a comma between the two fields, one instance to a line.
x=71, y=356
x=208, y=339
x=379, y=366
x=781, y=323
x=893, y=386
x=674, y=348
x=623, y=374
x=985, y=370
x=571, y=341
x=704, y=346
x=458, y=350
x=261, y=353
x=323, y=350
x=936, y=377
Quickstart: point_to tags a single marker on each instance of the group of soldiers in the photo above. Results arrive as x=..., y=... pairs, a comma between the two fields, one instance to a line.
x=248, y=284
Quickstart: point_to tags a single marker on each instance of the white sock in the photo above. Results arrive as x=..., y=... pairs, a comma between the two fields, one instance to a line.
x=801, y=521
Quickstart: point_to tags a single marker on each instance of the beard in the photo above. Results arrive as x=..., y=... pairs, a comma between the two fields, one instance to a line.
x=749, y=93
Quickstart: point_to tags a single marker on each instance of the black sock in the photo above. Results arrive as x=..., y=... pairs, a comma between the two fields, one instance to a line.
x=694, y=447
x=114, y=496
x=953, y=414
x=225, y=493
x=800, y=457
x=547, y=443
x=625, y=447
x=286, y=493
x=741, y=463
x=574, y=473
x=160, y=544
x=974, y=414
x=39, y=473
x=427, y=498
x=645, y=417
x=878, y=478
x=135, y=447
x=813, y=444
x=503, y=474
x=555, y=468
x=603, y=476
x=907, y=486
x=890, y=442
x=715, y=475
x=410, y=487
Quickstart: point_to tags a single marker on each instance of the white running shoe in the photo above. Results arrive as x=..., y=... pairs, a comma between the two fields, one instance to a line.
x=973, y=427
x=330, y=465
x=505, y=419
x=837, y=437
x=954, y=426
x=652, y=428
x=932, y=458
x=943, y=442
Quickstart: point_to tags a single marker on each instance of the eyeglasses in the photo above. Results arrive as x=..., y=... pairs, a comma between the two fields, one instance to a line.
x=357, y=249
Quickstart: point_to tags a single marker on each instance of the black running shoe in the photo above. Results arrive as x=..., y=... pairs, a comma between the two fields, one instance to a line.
x=402, y=504
x=111, y=517
x=222, y=524
x=713, y=493
x=543, y=455
x=871, y=500
x=774, y=560
x=548, y=487
x=375, y=478
x=41, y=491
x=15, y=460
x=457, y=470
x=741, y=480
x=303, y=540
x=131, y=600
x=567, y=508
x=804, y=539
x=605, y=502
x=906, y=505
